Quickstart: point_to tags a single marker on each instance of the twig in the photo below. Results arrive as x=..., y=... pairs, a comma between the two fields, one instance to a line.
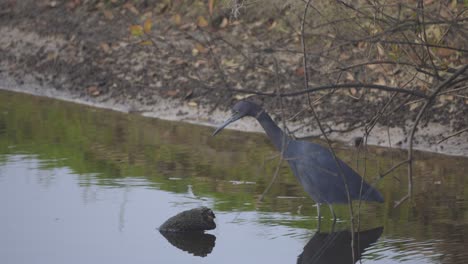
x=334, y=86
x=416, y=122
x=392, y=169
x=453, y=135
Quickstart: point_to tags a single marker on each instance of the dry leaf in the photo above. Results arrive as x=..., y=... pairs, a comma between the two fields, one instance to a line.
x=380, y=50
x=146, y=43
x=349, y=77
x=192, y=104
x=188, y=26
x=230, y=63
x=173, y=93
x=52, y=55
x=413, y=106
x=105, y=47
x=198, y=63
x=177, y=19
x=299, y=71
x=272, y=25
x=442, y=52
x=188, y=95
x=200, y=48
x=147, y=25
x=136, y=30
x=224, y=23
x=93, y=90
x=72, y=4
x=381, y=81
x=242, y=96
x=201, y=22
x=131, y=8
x=108, y=14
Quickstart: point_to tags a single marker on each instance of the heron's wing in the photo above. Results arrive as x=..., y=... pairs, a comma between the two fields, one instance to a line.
x=321, y=176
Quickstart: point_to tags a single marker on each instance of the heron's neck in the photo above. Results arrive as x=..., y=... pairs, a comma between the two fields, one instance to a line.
x=276, y=135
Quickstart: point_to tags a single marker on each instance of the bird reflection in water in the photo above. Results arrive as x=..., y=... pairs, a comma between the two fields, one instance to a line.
x=335, y=247
x=197, y=243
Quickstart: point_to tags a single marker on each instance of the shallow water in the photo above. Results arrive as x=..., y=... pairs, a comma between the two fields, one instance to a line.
x=83, y=185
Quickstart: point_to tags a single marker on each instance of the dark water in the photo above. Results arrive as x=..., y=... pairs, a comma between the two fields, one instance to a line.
x=81, y=185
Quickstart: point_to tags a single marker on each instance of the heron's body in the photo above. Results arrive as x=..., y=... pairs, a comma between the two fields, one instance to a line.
x=316, y=169
x=323, y=177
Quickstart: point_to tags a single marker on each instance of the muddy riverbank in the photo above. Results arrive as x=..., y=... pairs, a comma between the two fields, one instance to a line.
x=189, y=67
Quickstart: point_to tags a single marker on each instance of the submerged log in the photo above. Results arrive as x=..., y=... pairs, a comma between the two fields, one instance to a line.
x=194, y=220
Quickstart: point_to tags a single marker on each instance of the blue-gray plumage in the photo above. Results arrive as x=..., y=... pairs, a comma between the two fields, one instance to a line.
x=312, y=164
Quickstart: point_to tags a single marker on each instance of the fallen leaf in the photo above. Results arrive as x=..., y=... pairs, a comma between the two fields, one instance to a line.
x=177, y=61
x=230, y=63
x=146, y=43
x=380, y=49
x=108, y=14
x=147, y=25
x=52, y=4
x=72, y=4
x=173, y=93
x=299, y=71
x=198, y=63
x=187, y=26
x=242, y=96
x=442, y=52
x=188, y=95
x=52, y=55
x=130, y=7
x=177, y=19
x=200, y=48
x=136, y=30
x=381, y=81
x=413, y=106
x=93, y=90
x=201, y=22
x=272, y=25
x=224, y=23
x=105, y=47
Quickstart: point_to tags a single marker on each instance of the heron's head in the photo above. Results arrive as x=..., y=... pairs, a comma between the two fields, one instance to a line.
x=239, y=110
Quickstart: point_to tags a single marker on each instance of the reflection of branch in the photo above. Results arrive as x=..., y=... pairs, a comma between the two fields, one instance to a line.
x=392, y=169
x=416, y=122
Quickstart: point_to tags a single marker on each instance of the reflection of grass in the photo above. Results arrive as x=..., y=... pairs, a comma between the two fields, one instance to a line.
x=112, y=146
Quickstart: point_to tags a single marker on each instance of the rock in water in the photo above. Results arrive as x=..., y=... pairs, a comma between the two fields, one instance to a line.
x=197, y=219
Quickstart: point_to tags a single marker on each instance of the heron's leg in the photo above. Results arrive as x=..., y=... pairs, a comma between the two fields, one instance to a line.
x=318, y=211
x=333, y=212
x=318, y=216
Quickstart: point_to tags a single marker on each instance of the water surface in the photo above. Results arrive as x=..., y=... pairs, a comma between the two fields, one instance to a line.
x=83, y=185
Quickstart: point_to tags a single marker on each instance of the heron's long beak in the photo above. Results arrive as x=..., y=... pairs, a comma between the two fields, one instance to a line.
x=233, y=118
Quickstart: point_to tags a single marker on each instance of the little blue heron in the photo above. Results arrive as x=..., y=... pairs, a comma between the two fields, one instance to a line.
x=313, y=165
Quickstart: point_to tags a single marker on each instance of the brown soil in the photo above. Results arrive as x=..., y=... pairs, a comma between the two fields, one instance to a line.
x=84, y=50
